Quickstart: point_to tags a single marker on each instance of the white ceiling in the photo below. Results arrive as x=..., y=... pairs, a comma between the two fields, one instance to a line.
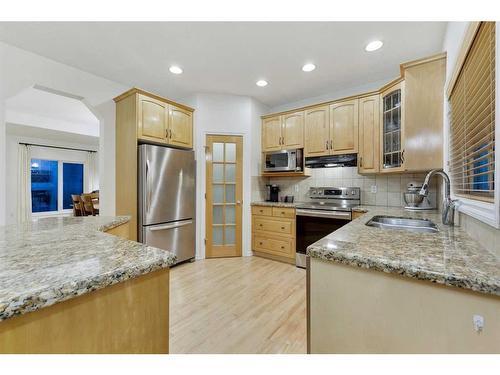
x=230, y=57
x=38, y=108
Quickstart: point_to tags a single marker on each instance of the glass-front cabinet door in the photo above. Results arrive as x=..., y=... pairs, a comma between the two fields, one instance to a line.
x=392, y=147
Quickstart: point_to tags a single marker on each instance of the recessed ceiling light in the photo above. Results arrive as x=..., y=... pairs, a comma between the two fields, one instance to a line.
x=261, y=83
x=175, y=69
x=373, y=46
x=308, y=67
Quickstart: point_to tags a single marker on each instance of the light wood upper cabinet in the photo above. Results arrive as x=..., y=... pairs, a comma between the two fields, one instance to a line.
x=293, y=130
x=369, y=130
x=423, y=118
x=180, y=127
x=161, y=122
x=344, y=127
x=392, y=135
x=332, y=129
x=153, y=119
x=317, y=131
x=283, y=132
x=271, y=134
x=396, y=129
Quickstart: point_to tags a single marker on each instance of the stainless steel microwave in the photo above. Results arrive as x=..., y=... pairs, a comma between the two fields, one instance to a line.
x=283, y=161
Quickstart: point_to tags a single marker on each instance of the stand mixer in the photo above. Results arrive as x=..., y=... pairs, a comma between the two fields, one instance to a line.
x=415, y=201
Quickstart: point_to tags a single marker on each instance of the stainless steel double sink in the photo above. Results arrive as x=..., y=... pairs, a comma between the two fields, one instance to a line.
x=405, y=223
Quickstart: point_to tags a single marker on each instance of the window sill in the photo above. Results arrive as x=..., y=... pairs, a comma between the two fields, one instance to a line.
x=488, y=213
x=41, y=215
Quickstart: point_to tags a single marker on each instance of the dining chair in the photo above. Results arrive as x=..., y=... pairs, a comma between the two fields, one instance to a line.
x=89, y=205
x=78, y=209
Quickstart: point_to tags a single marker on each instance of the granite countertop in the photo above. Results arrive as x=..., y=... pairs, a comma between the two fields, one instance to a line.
x=275, y=204
x=449, y=257
x=50, y=260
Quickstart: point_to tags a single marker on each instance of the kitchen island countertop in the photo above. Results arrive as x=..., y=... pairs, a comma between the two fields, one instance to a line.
x=54, y=259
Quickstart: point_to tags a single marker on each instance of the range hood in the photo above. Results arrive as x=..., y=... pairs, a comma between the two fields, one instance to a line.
x=332, y=161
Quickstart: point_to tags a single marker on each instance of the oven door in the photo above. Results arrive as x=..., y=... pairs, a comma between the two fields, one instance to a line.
x=279, y=161
x=313, y=225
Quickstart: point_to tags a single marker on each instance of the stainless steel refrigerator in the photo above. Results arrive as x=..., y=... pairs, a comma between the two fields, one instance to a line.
x=167, y=185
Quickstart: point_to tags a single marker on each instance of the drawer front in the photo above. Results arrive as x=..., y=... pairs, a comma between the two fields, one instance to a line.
x=262, y=210
x=283, y=227
x=284, y=212
x=275, y=246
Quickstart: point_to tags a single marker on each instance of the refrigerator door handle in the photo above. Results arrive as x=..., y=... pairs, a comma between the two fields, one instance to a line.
x=171, y=226
x=148, y=187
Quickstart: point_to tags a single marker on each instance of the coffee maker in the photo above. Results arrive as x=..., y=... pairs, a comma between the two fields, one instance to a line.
x=272, y=192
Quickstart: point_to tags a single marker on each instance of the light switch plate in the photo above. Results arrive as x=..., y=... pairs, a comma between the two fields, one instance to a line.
x=373, y=189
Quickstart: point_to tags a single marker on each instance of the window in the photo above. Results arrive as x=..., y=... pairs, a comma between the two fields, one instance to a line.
x=72, y=183
x=52, y=183
x=44, y=183
x=472, y=120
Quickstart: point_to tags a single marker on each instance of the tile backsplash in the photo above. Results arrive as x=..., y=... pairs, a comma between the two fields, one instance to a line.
x=389, y=188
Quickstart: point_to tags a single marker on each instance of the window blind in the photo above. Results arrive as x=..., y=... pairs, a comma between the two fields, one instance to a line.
x=472, y=120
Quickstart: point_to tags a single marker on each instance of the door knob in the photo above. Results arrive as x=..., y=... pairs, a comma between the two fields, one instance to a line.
x=239, y=202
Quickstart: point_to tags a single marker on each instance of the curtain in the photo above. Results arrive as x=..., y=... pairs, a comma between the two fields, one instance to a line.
x=93, y=171
x=24, y=184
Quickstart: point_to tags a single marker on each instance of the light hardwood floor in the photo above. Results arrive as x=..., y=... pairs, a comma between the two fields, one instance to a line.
x=237, y=305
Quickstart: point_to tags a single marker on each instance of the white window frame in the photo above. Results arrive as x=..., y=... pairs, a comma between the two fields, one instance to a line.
x=486, y=212
x=61, y=156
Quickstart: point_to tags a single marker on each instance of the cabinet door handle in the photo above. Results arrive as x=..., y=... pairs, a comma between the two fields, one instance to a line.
x=260, y=243
x=331, y=144
x=361, y=162
x=282, y=228
x=166, y=133
x=327, y=144
x=282, y=247
x=403, y=156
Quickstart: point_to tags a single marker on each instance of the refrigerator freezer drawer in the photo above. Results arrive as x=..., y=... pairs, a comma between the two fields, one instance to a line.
x=178, y=237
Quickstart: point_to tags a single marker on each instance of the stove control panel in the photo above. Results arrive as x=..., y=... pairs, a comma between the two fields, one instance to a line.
x=335, y=193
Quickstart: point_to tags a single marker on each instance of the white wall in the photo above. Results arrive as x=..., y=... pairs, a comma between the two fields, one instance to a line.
x=20, y=69
x=30, y=119
x=226, y=114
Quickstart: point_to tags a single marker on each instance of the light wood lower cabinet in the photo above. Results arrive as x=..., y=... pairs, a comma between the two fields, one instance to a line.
x=122, y=230
x=273, y=232
x=356, y=214
x=129, y=317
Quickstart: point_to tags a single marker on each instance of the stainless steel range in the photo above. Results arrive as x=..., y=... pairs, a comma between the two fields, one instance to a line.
x=329, y=209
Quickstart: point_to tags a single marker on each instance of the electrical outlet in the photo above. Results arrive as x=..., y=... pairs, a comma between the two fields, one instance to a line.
x=478, y=321
x=373, y=189
x=296, y=188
